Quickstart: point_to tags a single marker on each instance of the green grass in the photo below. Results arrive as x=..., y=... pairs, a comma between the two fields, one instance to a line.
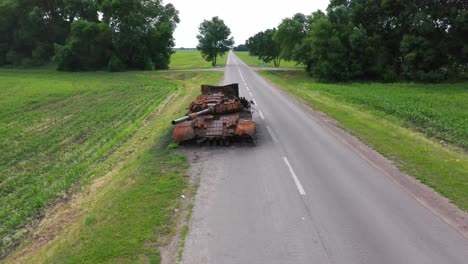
x=131, y=215
x=255, y=62
x=185, y=229
x=183, y=235
x=55, y=126
x=192, y=59
x=438, y=110
x=136, y=212
x=397, y=120
x=58, y=128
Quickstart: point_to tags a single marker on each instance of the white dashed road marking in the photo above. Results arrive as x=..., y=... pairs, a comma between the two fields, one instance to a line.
x=261, y=115
x=273, y=136
x=296, y=180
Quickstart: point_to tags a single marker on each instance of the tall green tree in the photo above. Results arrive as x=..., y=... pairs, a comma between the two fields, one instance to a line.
x=265, y=47
x=328, y=56
x=133, y=34
x=30, y=28
x=141, y=33
x=89, y=47
x=290, y=34
x=214, y=39
x=271, y=51
x=302, y=50
x=25, y=36
x=253, y=44
x=385, y=39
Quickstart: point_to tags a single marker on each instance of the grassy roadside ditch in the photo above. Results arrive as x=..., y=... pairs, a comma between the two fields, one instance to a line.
x=422, y=128
x=128, y=211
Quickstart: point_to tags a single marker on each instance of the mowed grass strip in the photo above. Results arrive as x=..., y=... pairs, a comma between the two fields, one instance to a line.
x=254, y=61
x=397, y=120
x=132, y=212
x=54, y=127
x=192, y=59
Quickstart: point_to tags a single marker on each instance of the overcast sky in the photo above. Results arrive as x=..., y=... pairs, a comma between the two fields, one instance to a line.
x=243, y=17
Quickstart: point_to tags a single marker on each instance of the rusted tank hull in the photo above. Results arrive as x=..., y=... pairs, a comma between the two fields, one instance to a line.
x=223, y=127
x=218, y=113
x=184, y=132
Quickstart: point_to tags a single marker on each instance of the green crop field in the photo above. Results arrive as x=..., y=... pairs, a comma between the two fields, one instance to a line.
x=57, y=128
x=192, y=59
x=438, y=110
x=377, y=113
x=255, y=62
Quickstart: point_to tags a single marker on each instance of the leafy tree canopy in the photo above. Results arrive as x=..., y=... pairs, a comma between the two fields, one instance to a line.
x=241, y=47
x=265, y=47
x=290, y=34
x=86, y=34
x=213, y=39
x=422, y=40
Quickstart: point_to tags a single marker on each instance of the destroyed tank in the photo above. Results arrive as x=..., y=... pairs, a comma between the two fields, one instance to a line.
x=218, y=115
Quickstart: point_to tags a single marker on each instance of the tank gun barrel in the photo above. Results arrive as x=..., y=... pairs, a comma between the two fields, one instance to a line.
x=192, y=116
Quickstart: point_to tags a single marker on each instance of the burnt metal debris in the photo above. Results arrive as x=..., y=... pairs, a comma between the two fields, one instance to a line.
x=218, y=114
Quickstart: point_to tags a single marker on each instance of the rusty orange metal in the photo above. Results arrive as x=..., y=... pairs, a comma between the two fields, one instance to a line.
x=183, y=132
x=245, y=128
x=218, y=113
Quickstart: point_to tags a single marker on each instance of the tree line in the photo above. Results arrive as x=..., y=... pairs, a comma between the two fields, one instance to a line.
x=420, y=40
x=87, y=34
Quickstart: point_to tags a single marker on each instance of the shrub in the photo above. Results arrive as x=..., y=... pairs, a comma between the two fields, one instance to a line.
x=88, y=48
x=430, y=76
x=12, y=57
x=115, y=64
x=41, y=54
x=389, y=75
x=65, y=59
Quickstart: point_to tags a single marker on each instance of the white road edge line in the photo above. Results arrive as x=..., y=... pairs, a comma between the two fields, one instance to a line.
x=247, y=88
x=250, y=93
x=255, y=103
x=272, y=135
x=296, y=180
x=261, y=115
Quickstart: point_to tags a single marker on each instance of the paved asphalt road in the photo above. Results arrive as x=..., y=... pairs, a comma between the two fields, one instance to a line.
x=303, y=196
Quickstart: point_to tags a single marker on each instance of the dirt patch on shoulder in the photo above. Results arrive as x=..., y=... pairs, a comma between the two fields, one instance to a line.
x=55, y=220
x=59, y=216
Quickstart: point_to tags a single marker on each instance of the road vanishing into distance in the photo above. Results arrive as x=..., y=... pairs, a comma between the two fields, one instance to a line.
x=302, y=195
